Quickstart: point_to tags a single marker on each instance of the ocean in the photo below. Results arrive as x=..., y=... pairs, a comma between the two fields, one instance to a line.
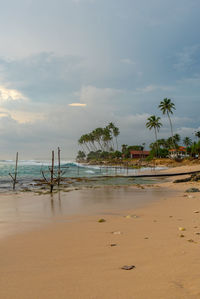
x=31, y=170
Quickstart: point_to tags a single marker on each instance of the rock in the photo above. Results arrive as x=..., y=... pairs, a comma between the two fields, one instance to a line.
x=113, y=244
x=182, y=236
x=191, y=190
x=101, y=220
x=128, y=267
x=195, y=177
x=197, y=233
x=182, y=180
x=196, y=212
x=191, y=241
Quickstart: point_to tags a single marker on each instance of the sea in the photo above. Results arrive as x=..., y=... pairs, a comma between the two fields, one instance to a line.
x=30, y=171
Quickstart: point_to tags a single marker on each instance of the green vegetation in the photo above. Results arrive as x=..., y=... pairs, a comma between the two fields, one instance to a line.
x=102, y=143
x=154, y=123
x=166, y=106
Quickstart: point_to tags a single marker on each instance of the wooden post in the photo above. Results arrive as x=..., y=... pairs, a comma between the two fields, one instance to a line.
x=52, y=172
x=59, y=171
x=15, y=174
x=16, y=164
x=78, y=169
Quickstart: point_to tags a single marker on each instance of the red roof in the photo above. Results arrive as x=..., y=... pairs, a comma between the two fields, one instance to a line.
x=180, y=149
x=139, y=153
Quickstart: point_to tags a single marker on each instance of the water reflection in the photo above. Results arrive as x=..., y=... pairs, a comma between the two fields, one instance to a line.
x=23, y=211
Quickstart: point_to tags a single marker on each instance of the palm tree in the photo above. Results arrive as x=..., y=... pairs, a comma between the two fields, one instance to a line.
x=187, y=141
x=176, y=139
x=98, y=134
x=106, y=138
x=166, y=106
x=124, y=148
x=92, y=141
x=83, y=141
x=154, y=123
x=114, y=132
x=197, y=134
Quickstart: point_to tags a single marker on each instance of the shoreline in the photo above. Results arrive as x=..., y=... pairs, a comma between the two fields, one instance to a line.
x=75, y=259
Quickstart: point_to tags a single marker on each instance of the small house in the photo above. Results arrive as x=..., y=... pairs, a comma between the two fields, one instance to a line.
x=179, y=152
x=139, y=154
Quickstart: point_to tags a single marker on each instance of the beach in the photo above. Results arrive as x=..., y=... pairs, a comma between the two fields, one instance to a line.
x=73, y=255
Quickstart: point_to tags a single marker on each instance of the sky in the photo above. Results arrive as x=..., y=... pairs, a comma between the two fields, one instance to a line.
x=117, y=58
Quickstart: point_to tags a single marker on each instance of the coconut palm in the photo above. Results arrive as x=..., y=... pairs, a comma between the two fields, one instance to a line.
x=176, y=139
x=166, y=106
x=106, y=138
x=197, y=134
x=154, y=123
x=111, y=127
x=92, y=141
x=114, y=132
x=98, y=134
x=82, y=141
x=187, y=141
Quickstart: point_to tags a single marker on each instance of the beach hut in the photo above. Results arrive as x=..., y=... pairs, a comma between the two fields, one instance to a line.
x=139, y=154
x=179, y=152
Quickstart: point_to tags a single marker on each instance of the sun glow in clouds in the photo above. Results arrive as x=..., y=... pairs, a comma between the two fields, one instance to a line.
x=10, y=95
x=77, y=105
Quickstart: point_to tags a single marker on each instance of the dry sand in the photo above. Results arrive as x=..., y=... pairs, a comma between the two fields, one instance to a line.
x=76, y=259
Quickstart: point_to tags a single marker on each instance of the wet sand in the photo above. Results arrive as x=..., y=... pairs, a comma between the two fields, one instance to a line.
x=75, y=259
x=20, y=211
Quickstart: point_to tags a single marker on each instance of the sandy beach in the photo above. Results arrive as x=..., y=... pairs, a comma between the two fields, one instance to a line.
x=75, y=256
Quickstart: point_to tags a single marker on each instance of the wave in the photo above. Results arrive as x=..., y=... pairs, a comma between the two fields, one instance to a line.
x=89, y=171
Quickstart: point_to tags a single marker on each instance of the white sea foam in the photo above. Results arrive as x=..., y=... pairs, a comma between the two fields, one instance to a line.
x=89, y=171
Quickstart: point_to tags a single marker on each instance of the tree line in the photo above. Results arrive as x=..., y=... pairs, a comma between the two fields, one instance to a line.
x=161, y=146
x=99, y=143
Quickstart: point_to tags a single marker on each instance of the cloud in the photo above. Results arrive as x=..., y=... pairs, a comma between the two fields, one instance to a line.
x=43, y=77
x=77, y=105
x=7, y=95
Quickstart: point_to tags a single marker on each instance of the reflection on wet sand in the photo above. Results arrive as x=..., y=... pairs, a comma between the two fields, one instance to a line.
x=20, y=211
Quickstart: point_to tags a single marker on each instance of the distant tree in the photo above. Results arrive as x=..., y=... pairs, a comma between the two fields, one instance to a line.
x=166, y=106
x=187, y=141
x=114, y=131
x=197, y=134
x=81, y=155
x=154, y=123
x=177, y=139
x=124, y=148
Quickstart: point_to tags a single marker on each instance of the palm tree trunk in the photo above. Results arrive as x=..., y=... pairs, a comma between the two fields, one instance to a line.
x=156, y=141
x=116, y=142
x=87, y=147
x=170, y=122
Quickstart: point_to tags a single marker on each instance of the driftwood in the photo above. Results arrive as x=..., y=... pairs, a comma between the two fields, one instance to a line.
x=14, y=178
